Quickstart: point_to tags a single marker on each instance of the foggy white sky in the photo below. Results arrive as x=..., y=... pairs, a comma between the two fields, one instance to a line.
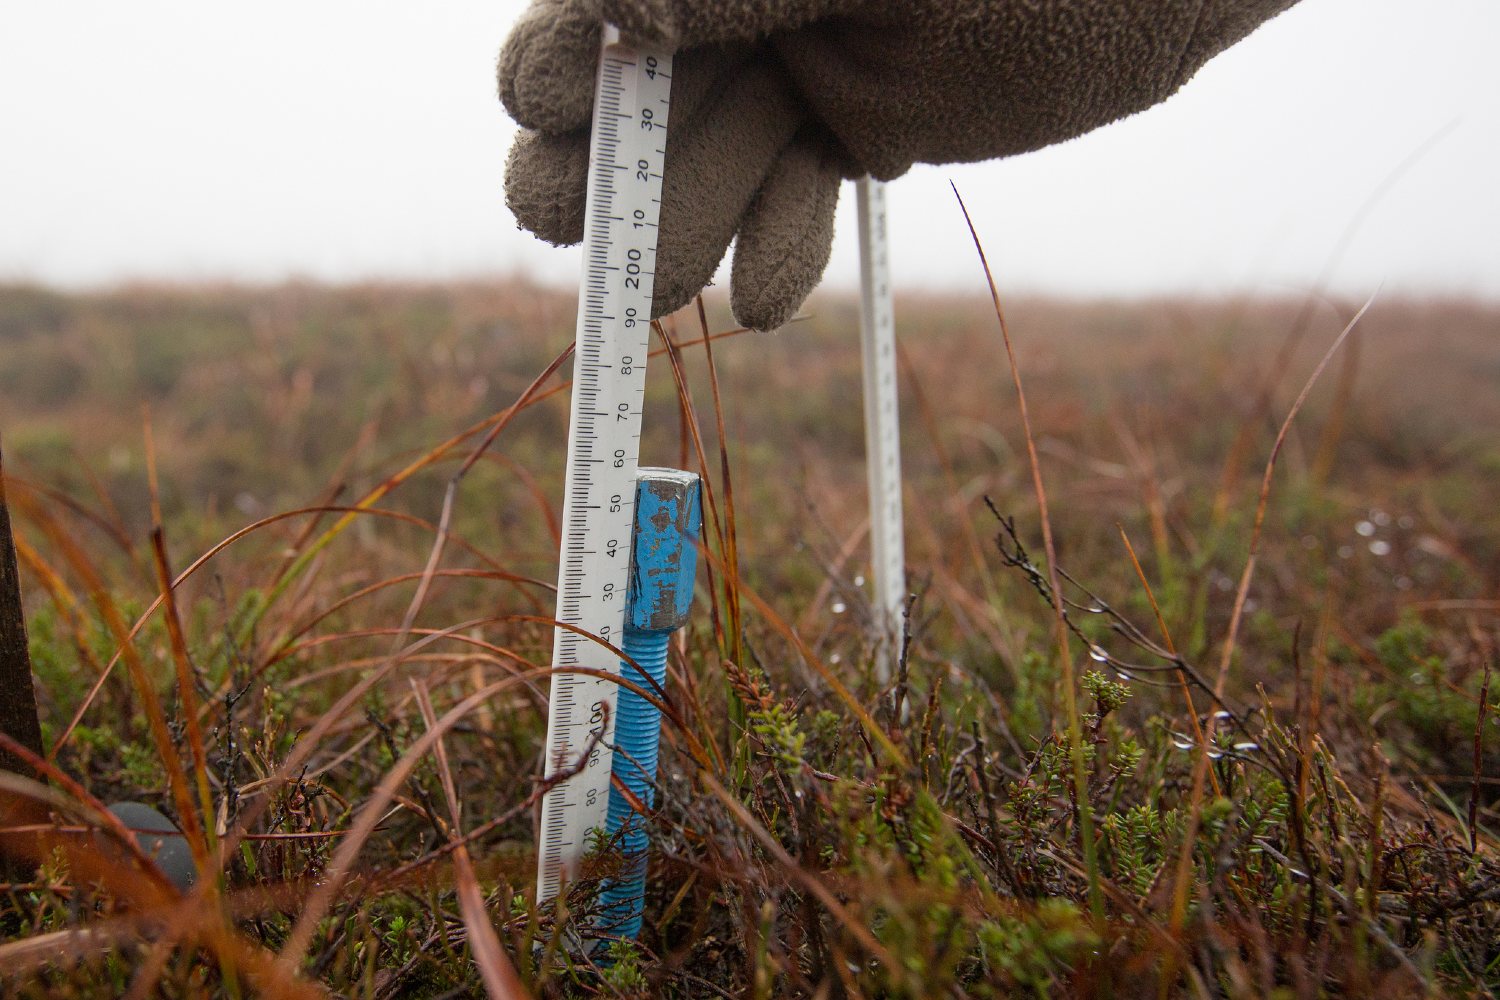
x=343, y=139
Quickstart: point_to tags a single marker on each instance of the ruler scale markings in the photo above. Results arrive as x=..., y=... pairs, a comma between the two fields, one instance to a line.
x=882, y=424
x=631, y=110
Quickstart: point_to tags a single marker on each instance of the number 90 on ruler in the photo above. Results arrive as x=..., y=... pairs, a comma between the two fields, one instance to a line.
x=626, y=158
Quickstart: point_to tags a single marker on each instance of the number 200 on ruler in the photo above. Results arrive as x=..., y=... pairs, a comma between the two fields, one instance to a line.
x=626, y=155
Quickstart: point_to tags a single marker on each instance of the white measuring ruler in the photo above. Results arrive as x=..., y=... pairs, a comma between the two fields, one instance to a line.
x=626, y=156
x=877, y=330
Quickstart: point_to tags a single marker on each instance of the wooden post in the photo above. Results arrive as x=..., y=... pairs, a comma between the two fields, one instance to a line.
x=18, y=716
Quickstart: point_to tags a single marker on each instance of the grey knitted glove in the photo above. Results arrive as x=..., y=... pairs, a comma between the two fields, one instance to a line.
x=774, y=101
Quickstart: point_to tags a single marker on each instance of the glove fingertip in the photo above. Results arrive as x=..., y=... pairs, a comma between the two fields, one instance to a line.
x=545, y=71
x=785, y=240
x=765, y=310
x=546, y=184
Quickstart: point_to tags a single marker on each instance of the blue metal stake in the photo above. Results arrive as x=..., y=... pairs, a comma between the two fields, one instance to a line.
x=668, y=513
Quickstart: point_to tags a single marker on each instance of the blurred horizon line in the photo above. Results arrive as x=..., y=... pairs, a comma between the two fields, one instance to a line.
x=521, y=278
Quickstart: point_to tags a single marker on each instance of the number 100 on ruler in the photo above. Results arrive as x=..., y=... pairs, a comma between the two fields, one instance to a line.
x=626, y=156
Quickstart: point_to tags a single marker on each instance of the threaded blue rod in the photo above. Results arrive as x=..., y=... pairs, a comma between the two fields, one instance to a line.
x=663, y=563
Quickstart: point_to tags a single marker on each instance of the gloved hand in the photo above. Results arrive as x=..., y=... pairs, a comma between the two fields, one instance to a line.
x=774, y=101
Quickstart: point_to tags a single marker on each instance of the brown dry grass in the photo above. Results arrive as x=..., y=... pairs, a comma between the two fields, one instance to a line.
x=349, y=682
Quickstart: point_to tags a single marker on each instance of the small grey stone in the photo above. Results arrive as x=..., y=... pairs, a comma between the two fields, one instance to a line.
x=160, y=840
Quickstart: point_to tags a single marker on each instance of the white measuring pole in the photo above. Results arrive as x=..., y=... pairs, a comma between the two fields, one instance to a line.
x=877, y=329
x=626, y=157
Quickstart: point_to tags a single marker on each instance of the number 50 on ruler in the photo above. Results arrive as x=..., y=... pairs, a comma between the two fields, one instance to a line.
x=626, y=157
